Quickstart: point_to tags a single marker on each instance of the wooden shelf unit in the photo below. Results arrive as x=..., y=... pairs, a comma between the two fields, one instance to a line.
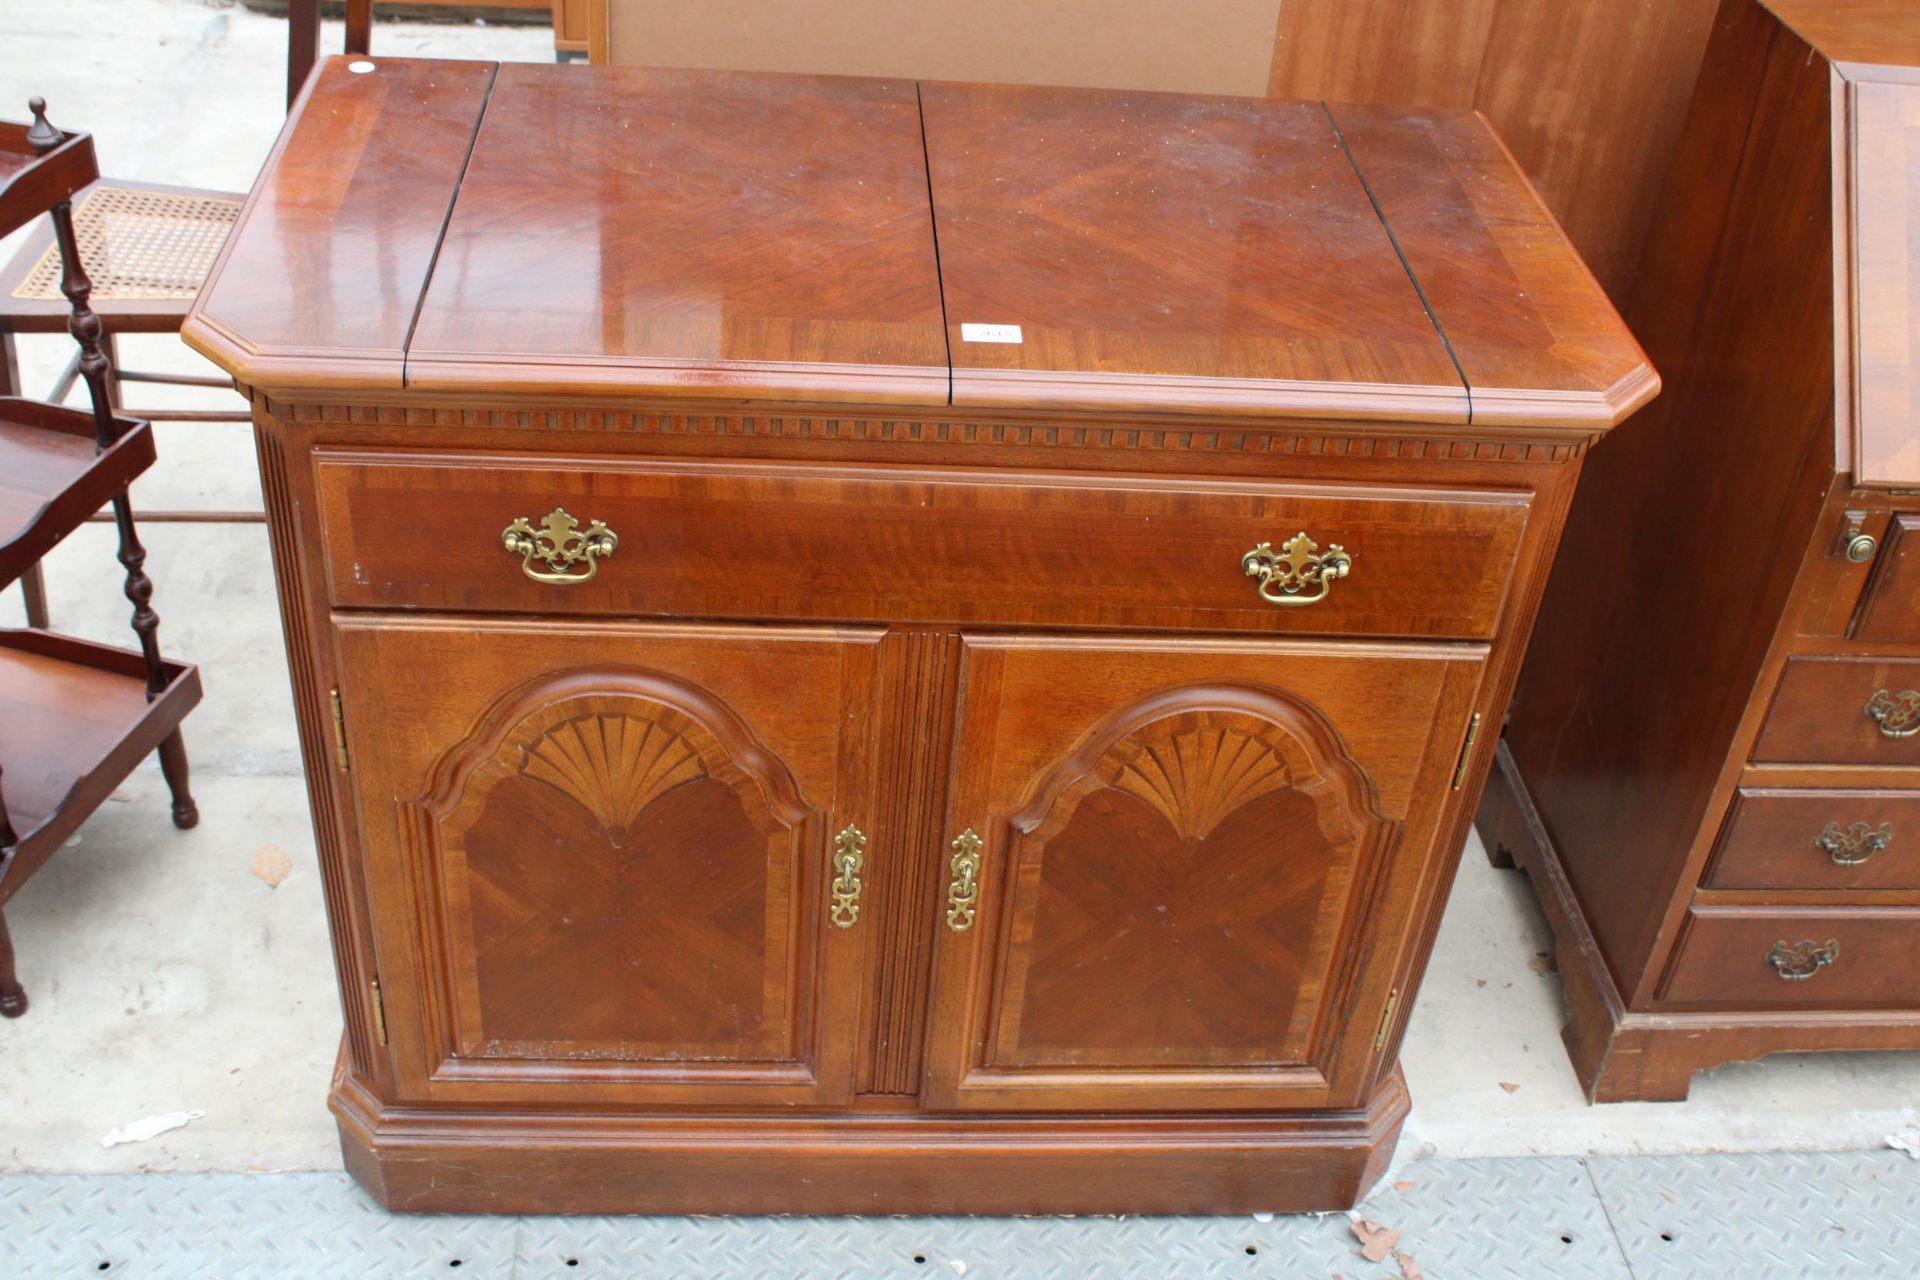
x=75, y=716
x=78, y=719
x=53, y=475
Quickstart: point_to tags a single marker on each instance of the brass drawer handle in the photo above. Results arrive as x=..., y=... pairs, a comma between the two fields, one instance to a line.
x=1897, y=714
x=1296, y=567
x=963, y=891
x=559, y=542
x=849, y=856
x=1796, y=962
x=1851, y=846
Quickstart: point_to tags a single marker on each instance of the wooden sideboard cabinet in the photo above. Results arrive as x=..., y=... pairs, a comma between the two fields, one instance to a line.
x=865, y=646
x=1710, y=767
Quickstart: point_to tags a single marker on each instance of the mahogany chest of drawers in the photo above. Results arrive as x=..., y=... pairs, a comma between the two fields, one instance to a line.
x=1712, y=766
x=865, y=646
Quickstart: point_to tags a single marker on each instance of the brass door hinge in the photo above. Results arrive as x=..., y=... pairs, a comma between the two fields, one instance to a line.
x=1386, y=1019
x=379, y=1011
x=339, y=732
x=1460, y=766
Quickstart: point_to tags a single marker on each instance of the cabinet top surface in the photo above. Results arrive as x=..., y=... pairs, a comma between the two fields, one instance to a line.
x=467, y=231
x=1862, y=32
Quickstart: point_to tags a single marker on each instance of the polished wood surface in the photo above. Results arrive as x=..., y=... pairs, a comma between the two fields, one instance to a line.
x=1261, y=801
x=695, y=232
x=33, y=177
x=1821, y=713
x=78, y=720
x=901, y=544
x=643, y=886
x=1175, y=251
x=1884, y=33
x=445, y=1162
x=1890, y=605
x=1713, y=293
x=1590, y=94
x=321, y=281
x=1724, y=657
x=56, y=476
x=621, y=836
x=1464, y=216
x=1773, y=840
x=1722, y=959
x=1154, y=253
x=1886, y=195
x=75, y=716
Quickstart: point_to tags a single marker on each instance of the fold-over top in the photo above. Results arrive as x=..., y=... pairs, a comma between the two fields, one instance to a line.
x=455, y=229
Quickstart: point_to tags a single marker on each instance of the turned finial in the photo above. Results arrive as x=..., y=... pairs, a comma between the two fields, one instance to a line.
x=41, y=136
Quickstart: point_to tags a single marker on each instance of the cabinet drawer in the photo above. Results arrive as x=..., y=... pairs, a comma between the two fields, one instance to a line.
x=1844, y=711
x=1867, y=957
x=1779, y=839
x=738, y=540
x=1890, y=607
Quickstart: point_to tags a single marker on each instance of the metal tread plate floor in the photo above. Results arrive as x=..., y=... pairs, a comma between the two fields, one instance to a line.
x=1838, y=1215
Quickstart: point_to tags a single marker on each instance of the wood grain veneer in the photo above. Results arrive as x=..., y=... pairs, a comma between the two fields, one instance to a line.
x=1722, y=649
x=654, y=891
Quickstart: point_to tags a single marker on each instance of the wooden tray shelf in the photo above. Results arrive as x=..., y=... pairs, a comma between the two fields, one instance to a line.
x=53, y=476
x=32, y=181
x=77, y=720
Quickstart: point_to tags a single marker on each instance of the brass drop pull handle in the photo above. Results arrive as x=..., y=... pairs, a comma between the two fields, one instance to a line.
x=963, y=891
x=1298, y=567
x=1897, y=714
x=1853, y=845
x=559, y=543
x=849, y=856
x=1798, y=961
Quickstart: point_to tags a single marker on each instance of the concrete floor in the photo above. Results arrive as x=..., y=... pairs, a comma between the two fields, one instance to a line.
x=165, y=976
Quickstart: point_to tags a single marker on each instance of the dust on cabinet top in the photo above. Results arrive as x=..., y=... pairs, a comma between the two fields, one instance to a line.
x=473, y=231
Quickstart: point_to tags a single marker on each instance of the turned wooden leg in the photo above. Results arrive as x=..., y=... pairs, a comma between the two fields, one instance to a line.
x=173, y=763
x=13, y=998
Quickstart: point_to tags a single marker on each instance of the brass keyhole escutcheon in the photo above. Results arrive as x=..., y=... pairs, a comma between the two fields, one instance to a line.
x=849, y=857
x=963, y=891
x=560, y=544
x=1299, y=572
x=1850, y=846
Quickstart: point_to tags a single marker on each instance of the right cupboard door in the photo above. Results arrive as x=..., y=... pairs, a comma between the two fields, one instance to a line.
x=1180, y=875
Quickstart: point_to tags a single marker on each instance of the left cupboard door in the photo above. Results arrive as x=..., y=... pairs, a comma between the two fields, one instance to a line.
x=607, y=861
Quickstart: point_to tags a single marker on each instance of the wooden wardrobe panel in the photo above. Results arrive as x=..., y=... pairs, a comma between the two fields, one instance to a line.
x=1589, y=94
x=1622, y=779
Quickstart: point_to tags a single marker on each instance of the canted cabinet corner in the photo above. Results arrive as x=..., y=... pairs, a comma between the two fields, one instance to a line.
x=795, y=761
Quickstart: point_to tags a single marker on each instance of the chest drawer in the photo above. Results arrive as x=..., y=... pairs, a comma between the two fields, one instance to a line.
x=759, y=540
x=1890, y=607
x=1780, y=839
x=1844, y=711
x=1865, y=958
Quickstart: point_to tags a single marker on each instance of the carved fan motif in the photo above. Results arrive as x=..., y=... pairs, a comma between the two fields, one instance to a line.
x=1197, y=777
x=615, y=765
x=1177, y=887
x=608, y=842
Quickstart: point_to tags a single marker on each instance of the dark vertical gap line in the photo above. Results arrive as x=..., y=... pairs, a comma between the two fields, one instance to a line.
x=1394, y=240
x=1606, y=1211
x=933, y=223
x=433, y=262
